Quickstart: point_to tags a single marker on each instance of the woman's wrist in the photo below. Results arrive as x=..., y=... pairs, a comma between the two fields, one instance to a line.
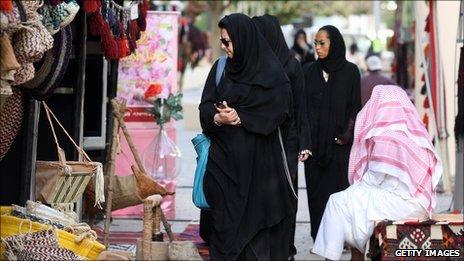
x=216, y=120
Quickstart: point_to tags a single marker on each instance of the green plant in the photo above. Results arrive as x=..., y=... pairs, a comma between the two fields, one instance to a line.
x=166, y=109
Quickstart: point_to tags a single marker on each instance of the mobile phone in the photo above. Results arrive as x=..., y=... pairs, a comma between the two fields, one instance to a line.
x=220, y=105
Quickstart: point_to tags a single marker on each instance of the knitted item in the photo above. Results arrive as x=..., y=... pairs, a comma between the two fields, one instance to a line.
x=91, y=6
x=31, y=43
x=11, y=119
x=24, y=74
x=41, y=245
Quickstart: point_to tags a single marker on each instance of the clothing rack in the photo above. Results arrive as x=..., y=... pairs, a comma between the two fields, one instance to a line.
x=434, y=126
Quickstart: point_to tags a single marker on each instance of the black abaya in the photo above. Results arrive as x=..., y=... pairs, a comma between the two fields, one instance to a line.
x=245, y=182
x=332, y=109
x=296, y=132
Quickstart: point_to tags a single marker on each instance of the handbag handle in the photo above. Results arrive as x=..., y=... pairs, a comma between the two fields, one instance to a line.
x=60, y=151
x=285, y=161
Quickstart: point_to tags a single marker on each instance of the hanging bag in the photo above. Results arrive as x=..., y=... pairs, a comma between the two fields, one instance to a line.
x=64, y=181
x=202, y=143
x=32, y=40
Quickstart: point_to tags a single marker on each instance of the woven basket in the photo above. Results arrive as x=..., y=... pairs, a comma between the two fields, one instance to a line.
x=11, y=225
x=11, y=118
x=24, y=74
x=31, y=43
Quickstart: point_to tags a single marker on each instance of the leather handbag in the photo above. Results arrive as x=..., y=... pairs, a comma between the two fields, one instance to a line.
x=127, y=190
x=202, y=143
x=64, y=181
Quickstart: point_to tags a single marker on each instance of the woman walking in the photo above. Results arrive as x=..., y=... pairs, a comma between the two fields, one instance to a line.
x=250, y=195
x=297, y=132
x=333, y=100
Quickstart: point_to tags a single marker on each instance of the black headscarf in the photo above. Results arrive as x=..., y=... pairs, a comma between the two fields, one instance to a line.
x=253, y=62
x=296, y=47
x=336, y=58
x=269, y=27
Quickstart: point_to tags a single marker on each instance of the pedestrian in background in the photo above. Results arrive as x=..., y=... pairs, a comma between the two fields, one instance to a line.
x=373, y=78
x=296, y=133
x=301, y=49
x=332, y=95
x=356, y=57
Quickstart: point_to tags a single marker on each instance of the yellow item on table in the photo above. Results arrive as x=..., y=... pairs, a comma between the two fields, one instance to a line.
x=11, y=225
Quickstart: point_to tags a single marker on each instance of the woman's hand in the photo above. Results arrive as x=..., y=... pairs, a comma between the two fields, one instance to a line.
x=226, y=115
x=304, y=155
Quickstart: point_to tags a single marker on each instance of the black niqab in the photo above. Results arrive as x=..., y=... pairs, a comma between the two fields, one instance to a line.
x=253, y=62
x=269, y=27
x=336, y=58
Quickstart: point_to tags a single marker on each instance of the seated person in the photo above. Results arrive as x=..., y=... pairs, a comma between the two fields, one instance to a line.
x=393, y=172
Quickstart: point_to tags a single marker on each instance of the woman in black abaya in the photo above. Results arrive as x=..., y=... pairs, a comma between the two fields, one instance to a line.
x=297, y=132
x=333, y=101
x=245, y=184
x=301, y=49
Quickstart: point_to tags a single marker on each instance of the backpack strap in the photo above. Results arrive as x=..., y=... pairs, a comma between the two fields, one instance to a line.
x=220, y=68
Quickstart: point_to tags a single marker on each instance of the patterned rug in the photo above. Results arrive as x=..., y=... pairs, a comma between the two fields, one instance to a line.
x=127, y=240
x=438, y=240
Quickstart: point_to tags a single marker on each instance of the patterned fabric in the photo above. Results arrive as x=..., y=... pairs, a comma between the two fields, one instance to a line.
x=390, y=236
x=31, y=43
x=41, y=245
x=35, y=218
x=389, y=133
x=24, y=74
x=11, y=118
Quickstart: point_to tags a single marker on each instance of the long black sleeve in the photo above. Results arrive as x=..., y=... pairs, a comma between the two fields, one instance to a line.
x=354, y=106
x=266, y=109
x=302, y=125
x=208, y=98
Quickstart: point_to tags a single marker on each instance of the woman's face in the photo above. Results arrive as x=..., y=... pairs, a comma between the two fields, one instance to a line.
x=226, y=43
x=322, y=44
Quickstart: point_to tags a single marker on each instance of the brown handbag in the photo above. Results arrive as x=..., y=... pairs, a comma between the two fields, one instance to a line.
x=127, y=191
x=64, y=181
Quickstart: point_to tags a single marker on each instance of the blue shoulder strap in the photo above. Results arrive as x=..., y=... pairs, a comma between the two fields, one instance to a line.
x=220, y=69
